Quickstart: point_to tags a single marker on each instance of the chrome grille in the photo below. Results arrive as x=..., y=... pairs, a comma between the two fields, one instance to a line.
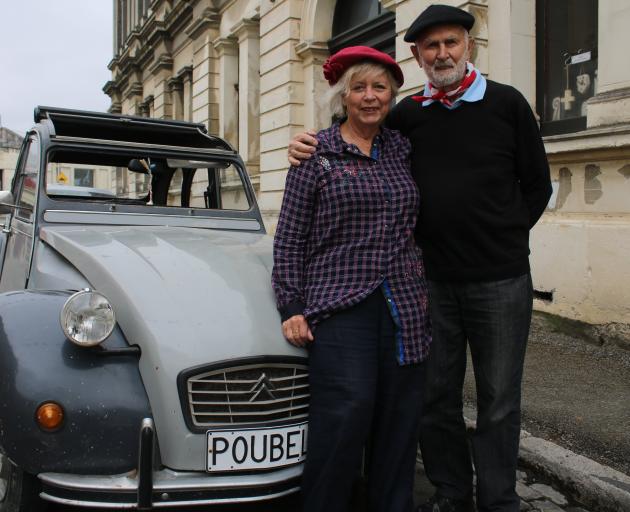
x=255, y=393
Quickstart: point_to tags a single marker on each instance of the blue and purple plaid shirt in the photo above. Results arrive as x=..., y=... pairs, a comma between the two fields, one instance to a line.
x=345, y=229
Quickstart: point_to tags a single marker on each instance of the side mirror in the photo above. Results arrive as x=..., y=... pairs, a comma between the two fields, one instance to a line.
x=7, y=203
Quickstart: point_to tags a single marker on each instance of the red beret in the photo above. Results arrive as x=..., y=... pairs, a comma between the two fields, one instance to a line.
x=337, y=64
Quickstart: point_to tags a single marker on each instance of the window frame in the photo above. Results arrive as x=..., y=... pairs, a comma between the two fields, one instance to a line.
x=23, y=174
x=562, y=126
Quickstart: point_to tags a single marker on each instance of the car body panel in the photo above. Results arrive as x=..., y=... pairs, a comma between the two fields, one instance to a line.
x=155, y=276
x=103, y=396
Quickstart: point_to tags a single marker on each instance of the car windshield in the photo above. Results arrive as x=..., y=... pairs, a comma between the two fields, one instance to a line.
x=144, y=180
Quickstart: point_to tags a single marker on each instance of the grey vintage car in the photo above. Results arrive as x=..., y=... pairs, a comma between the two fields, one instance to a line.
x=142, y=363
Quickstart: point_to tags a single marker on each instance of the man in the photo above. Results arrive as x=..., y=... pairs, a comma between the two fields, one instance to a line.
x=480, y=165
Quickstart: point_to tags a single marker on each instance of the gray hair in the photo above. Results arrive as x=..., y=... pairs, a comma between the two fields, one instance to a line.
x=339, y=91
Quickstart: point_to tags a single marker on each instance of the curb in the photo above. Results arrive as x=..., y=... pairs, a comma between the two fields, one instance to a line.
x=596, y=486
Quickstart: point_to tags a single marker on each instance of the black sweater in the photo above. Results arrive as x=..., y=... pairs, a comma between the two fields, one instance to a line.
x=484, y=182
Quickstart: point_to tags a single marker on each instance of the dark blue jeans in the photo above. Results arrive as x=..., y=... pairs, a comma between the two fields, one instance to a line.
x=360, y=395
x=493, y=318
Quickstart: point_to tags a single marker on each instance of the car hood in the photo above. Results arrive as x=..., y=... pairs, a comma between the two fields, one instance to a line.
x=186, y=296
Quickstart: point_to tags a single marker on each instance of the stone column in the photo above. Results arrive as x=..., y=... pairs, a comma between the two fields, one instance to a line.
x=132, y=97
x=317, y=113
x=162, y=70
x=185, y=75
x=281, y=99
x=176, y=90
x=511, y=28
x=247, y=33
x=227, y=52
x=146, y=107
x=204, y=92
x=611, y=103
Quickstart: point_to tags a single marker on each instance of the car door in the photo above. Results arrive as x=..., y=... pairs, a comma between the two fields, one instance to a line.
x=19, y=230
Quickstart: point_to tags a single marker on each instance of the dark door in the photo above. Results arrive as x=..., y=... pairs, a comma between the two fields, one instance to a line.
x=363, y=22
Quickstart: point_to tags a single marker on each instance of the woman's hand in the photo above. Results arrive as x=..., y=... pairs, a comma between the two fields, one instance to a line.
x=296, y=331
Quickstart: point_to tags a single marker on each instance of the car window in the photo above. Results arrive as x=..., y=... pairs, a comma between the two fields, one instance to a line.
x=28, y=182
x=143, y=180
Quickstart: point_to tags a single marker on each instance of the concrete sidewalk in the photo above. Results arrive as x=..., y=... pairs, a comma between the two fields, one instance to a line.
x=576, y=419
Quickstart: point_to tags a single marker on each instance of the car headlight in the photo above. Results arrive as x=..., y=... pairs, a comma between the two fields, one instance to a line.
x=87, y=318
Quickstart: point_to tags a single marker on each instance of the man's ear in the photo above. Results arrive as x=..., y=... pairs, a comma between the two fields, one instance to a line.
x=416, y=54
x=471, y=47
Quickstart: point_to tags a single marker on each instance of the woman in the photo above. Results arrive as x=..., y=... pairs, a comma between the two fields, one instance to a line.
x=349, y=283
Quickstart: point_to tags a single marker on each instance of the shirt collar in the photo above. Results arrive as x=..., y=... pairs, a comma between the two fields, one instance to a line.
x=475, y=92
x=338, y=145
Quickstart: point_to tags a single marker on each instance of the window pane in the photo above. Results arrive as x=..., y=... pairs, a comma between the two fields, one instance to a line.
x=28, y=191
x=569, y=58
x=125, y=179
x=352, y=13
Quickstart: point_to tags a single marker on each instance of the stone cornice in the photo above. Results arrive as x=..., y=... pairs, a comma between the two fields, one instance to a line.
x=225, y=46
x=145, y=106
x=185, y=74
x=162, y=62
x=247, y=28
x=147, y=27
x=611, y=139
x=110, y=88
x=178, y=17
x=612, y=95
x=115, y=108
x=175, y=84
x=209, y=19
x=134, y=89
x=224, y=5
x=157, y=34
x=145, y=55
x=312, y=53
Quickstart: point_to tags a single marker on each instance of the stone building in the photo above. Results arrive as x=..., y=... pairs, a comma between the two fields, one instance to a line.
x=251, y=71
x=10, y=143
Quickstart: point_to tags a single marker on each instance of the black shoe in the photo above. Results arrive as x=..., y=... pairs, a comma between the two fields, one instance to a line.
x=441, y=504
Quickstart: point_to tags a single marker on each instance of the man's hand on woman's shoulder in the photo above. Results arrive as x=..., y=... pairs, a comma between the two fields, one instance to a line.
x=302, y=147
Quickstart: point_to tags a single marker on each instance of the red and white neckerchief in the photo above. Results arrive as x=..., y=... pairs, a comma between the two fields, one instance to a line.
x=449, y=98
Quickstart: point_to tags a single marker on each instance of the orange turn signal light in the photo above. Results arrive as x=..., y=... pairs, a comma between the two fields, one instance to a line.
x=49, y=416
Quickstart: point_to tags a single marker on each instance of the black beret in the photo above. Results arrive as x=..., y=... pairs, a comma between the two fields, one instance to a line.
x=438, y=14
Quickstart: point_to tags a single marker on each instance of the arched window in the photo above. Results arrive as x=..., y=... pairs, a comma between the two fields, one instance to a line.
x=363, y=22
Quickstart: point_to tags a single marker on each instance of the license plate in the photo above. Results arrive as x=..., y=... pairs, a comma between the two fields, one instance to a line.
x=257, y=448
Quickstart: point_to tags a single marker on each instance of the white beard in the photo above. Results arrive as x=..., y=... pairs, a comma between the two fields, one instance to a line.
x=441, y=78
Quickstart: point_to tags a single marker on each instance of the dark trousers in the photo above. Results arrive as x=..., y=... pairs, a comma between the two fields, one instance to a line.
x=493, y=318
x=359, y=392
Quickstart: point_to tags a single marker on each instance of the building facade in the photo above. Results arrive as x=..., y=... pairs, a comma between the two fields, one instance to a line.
x=10, y=143
x=251, y=71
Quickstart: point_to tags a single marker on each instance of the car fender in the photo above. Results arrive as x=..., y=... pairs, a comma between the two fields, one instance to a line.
x=99, y=388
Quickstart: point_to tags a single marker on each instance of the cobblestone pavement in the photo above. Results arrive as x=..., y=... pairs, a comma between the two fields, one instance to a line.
x=536, y=496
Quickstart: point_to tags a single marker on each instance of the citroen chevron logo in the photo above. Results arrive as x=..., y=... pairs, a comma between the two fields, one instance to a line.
x=263, y=384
